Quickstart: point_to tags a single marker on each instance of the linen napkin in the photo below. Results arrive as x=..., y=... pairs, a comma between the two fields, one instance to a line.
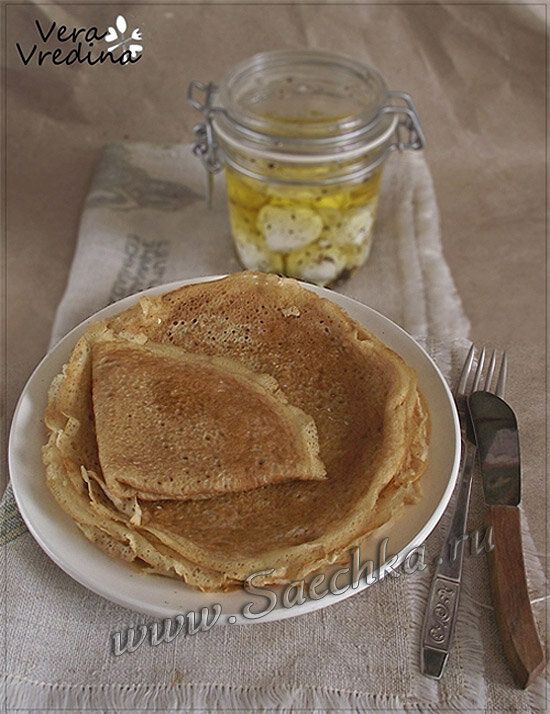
x=145, y=223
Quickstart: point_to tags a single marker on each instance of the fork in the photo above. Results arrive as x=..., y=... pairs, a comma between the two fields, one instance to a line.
x=442, y=610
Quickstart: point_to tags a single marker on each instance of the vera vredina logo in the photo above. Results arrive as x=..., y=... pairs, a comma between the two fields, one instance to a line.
x=117, y=45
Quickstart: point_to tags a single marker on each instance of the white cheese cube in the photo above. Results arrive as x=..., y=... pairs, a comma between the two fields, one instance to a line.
x=287, y=229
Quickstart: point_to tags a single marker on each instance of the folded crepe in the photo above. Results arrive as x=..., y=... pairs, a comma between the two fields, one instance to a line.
x=171, y=424
x=371, y=419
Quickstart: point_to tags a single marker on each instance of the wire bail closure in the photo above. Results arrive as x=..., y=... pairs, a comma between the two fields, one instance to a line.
x=408, y=131
x=205, y=146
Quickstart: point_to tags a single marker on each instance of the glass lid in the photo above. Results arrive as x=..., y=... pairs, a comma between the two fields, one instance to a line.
x=303, y=95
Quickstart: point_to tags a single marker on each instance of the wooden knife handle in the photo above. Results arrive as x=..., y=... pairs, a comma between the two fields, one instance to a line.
x=518, y=632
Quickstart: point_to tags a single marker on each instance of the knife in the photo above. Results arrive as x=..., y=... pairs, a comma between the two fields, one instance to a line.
x=497, y=439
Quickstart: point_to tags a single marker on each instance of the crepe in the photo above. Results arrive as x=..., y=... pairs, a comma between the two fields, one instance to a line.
x=371, y=419
x=173, y=424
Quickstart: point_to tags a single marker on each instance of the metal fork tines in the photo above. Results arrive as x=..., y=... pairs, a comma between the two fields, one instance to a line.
x=479, y=381
x=442, y=608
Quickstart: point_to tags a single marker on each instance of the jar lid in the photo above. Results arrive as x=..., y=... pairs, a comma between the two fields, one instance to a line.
x=303, y=106
x=307, y=104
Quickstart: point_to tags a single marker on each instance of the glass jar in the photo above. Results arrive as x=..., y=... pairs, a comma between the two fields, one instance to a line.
x=302, y=136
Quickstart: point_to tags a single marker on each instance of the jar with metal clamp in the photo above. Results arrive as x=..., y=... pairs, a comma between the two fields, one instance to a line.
x=302, y=136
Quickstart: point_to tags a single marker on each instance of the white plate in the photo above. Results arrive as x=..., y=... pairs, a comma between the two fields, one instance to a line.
x=163, y=597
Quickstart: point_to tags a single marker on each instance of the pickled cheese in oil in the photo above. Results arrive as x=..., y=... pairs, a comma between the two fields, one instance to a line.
x=312, y=232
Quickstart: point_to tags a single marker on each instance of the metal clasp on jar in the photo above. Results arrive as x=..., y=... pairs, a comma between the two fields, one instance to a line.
x=408, y=132
x=205, y=146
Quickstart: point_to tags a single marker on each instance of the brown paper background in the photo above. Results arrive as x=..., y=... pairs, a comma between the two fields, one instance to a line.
x=477, y=73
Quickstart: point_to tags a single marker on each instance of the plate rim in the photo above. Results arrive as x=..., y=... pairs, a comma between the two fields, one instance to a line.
x=155, y=610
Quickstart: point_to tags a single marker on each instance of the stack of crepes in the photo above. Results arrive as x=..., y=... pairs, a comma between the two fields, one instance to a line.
x=234, y=426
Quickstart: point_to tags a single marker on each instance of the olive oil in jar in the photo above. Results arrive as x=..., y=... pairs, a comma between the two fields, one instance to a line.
x=319, y=234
